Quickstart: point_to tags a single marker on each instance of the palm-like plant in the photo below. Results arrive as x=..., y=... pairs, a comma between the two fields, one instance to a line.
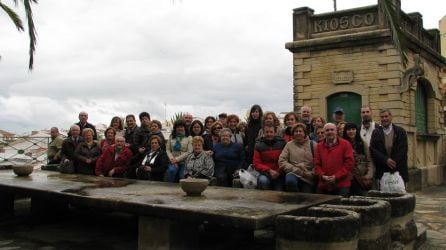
x=176, y=117
x=19, y=25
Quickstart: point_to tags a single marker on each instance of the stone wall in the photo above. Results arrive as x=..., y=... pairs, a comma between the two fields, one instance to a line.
x=352, y=51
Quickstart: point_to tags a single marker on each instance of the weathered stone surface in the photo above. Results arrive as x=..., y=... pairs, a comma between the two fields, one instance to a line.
x=223, y=206
x=320, y=228
x=375, y=219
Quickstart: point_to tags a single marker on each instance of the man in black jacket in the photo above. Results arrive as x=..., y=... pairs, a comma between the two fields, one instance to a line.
x=83, y=117
x=388, y=147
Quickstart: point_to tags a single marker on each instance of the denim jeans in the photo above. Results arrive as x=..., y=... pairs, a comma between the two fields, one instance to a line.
x=294, y=184
x=174, y=174
x=266, y=183
x=344, y=192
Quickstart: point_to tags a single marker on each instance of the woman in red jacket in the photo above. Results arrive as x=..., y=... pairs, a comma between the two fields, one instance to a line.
x=115, y=160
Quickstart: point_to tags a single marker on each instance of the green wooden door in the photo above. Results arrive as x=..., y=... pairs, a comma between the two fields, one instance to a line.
x=421, y=109
x=351, y=104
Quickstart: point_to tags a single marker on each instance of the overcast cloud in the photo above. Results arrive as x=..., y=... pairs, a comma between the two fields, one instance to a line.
x=119, y=57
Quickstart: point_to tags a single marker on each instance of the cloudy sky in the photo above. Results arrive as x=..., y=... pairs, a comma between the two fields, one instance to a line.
x=162, y=56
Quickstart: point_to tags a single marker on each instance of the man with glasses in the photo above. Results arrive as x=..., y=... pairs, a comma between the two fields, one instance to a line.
x=333, y=162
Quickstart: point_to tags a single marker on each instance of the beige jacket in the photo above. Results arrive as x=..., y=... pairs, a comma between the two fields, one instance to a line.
x=298, y=159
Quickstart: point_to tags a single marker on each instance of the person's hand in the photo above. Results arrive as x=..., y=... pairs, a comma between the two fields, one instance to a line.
x=331, y=179
x=141, y=150
x=111, y=172
x=101, y=175
x=173, y=161
x=274, y=174
x=391, y=163
x=88, y=160
x=209, y=152
x=147, y=169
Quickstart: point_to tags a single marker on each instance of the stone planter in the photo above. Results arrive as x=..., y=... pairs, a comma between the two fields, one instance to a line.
x=375, y=220
x=402, y=225
x=320, y=228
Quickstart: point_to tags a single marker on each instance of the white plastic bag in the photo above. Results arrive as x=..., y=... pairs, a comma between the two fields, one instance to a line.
x=392, y=182
x=247, y=179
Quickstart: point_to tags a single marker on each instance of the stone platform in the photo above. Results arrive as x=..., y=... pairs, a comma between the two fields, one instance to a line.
x=161, y=207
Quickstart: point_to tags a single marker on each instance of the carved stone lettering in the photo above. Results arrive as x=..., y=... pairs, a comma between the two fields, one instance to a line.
x=369, y=19
x=356, y=21
x=343, y=77
x=319, y=26
x=334, y=24
x=343, y=21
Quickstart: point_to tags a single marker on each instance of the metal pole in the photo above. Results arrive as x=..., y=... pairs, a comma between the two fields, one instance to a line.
x=334, y=5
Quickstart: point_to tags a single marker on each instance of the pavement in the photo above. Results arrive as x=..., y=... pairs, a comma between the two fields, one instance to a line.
x=430, y=214
x=96, y=230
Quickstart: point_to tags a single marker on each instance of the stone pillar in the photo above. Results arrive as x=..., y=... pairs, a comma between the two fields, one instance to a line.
x=301, y=23
x=157, y=233
x=6, y=205
x=375, y=219
x=43, y=209
x=403, y=229
x=321, y=228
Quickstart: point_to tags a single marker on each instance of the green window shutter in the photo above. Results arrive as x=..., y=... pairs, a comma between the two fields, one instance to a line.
x=421, y=109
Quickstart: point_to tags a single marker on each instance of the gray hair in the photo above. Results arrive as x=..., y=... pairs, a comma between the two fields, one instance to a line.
x=225, y=130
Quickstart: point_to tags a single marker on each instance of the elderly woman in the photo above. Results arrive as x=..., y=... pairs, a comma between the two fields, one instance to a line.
x=362, y=173
x=290, y=120
x=296, y=160
x=229, y=158
x=87, y=152
x=178, y=148
x=237, y=136
x=198, y=163
x=155, y=162
x=117, y=124
x=109, y=139
x=115, y=160
x=318, y=135
x=211, y=139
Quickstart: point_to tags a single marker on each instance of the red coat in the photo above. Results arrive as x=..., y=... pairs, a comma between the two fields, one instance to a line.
x=107, y=162
x=266, y=154
x=337, y=160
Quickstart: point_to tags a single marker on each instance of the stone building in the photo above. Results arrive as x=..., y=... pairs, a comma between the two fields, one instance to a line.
x=347, y=59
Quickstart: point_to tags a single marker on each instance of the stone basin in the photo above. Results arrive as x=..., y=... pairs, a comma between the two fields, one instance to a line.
x=22, y=170
x=193, y=186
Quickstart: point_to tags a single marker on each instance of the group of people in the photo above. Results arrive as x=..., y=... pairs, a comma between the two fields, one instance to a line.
x=305, y=155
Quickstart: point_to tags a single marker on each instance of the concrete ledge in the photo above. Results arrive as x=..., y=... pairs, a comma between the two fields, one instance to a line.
x=423, y=177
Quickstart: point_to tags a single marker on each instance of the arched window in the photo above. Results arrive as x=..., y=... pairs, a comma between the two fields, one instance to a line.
x=421, y=108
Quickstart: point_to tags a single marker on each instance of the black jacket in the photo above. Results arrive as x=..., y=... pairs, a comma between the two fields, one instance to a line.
x=398, y=153
x=159, y=167
x=68, y=148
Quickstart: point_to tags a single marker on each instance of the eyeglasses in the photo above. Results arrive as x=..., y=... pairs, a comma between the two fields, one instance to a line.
x=218, y=128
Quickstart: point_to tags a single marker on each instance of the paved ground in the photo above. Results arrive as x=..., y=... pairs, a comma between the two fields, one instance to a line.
x=430, y=213
x=95, y=230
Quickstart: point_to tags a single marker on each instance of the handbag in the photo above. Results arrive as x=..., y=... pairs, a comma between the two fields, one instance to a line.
x=392, y=182
x=67, y=167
